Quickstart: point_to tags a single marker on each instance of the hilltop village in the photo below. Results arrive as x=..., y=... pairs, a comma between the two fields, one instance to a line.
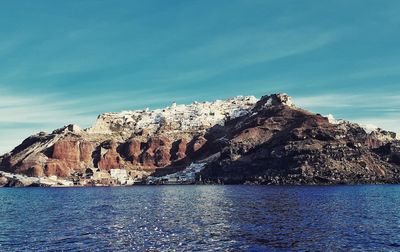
x=123, y=148
x=233, y=141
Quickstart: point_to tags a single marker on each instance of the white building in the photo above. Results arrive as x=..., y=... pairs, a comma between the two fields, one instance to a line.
x=119, y=174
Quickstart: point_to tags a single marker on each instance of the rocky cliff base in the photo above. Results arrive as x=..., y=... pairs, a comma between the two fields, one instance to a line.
x=240, y=140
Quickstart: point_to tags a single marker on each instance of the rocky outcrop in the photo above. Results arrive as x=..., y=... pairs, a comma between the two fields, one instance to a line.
x=157, y=152
x=243, y=139
x=281, y=144
x=3, y=181
x=181, y=148
x=135, y=140
x=173, y=120
x=132, y=150
x=109, y=157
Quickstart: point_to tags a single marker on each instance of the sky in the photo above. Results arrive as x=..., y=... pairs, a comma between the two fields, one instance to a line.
x=65, y=62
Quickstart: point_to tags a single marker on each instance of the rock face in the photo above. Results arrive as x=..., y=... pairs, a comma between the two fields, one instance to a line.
x=280, y=144
x=173, y=120
x=135, y=140
x=243, y=139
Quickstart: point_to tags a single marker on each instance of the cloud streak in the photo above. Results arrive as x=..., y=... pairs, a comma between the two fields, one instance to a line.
x=376, y=102
x=382, y=110
x=229, y=52
x=21, y=116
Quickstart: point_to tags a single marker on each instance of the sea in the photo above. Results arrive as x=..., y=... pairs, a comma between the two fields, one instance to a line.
x=201, y=218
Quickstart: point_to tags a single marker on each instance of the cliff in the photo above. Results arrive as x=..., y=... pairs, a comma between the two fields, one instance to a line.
x=282, y=144
x=134, y=140
x=243, y=139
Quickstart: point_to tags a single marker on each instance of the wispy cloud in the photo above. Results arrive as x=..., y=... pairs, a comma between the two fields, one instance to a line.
x=379, y=71
x=327, y=100
x=243, y=48
x=21, y=116
x=376, y=102
x=36, y=109
x=130, y=56
x=387, y=122
x=381, y=110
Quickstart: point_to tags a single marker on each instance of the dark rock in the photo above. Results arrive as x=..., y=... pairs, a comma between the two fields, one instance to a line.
x=273, y=142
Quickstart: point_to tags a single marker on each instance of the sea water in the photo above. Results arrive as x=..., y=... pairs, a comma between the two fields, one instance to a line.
x=201, y=218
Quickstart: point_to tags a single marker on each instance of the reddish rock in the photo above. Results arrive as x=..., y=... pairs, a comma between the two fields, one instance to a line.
x=66, y=150
x=73, y=151
x=274, y=142
x=198, y=143
x=58, y=168
x=162, y=156
x=86, y=152
x=110, y=159
x=32, y=165
x=182, y=146
x=147, y=159
x=284, y=145
x=133, y=151
x=157, y=152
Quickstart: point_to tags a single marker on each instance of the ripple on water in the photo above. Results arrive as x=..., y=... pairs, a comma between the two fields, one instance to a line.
x=232, y=218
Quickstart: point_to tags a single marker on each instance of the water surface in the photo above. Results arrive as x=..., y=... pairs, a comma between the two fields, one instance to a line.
x=198, y=218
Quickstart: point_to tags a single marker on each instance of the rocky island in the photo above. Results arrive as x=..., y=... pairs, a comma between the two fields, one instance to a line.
x=239, y=140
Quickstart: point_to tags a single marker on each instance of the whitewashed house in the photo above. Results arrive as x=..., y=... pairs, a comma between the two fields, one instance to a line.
x=120, y=175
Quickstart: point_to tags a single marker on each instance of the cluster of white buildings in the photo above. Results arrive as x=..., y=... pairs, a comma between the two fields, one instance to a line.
x=193, y=117
x=112, y=177
x=187, y=176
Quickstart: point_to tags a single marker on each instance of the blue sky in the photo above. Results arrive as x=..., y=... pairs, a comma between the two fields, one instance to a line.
x=68, y=61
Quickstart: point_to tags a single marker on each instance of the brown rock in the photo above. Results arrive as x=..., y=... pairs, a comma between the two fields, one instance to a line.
x=157, y=152
x=33, y=164
x=3, y=181
x=73, y=151
x=181, y=153
x=111, y=158
x=58, y=168
x=67, y=150
x=198, y=143
x=133, y=152
x=35, y=171
x=86, y=152
x=273, y=142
